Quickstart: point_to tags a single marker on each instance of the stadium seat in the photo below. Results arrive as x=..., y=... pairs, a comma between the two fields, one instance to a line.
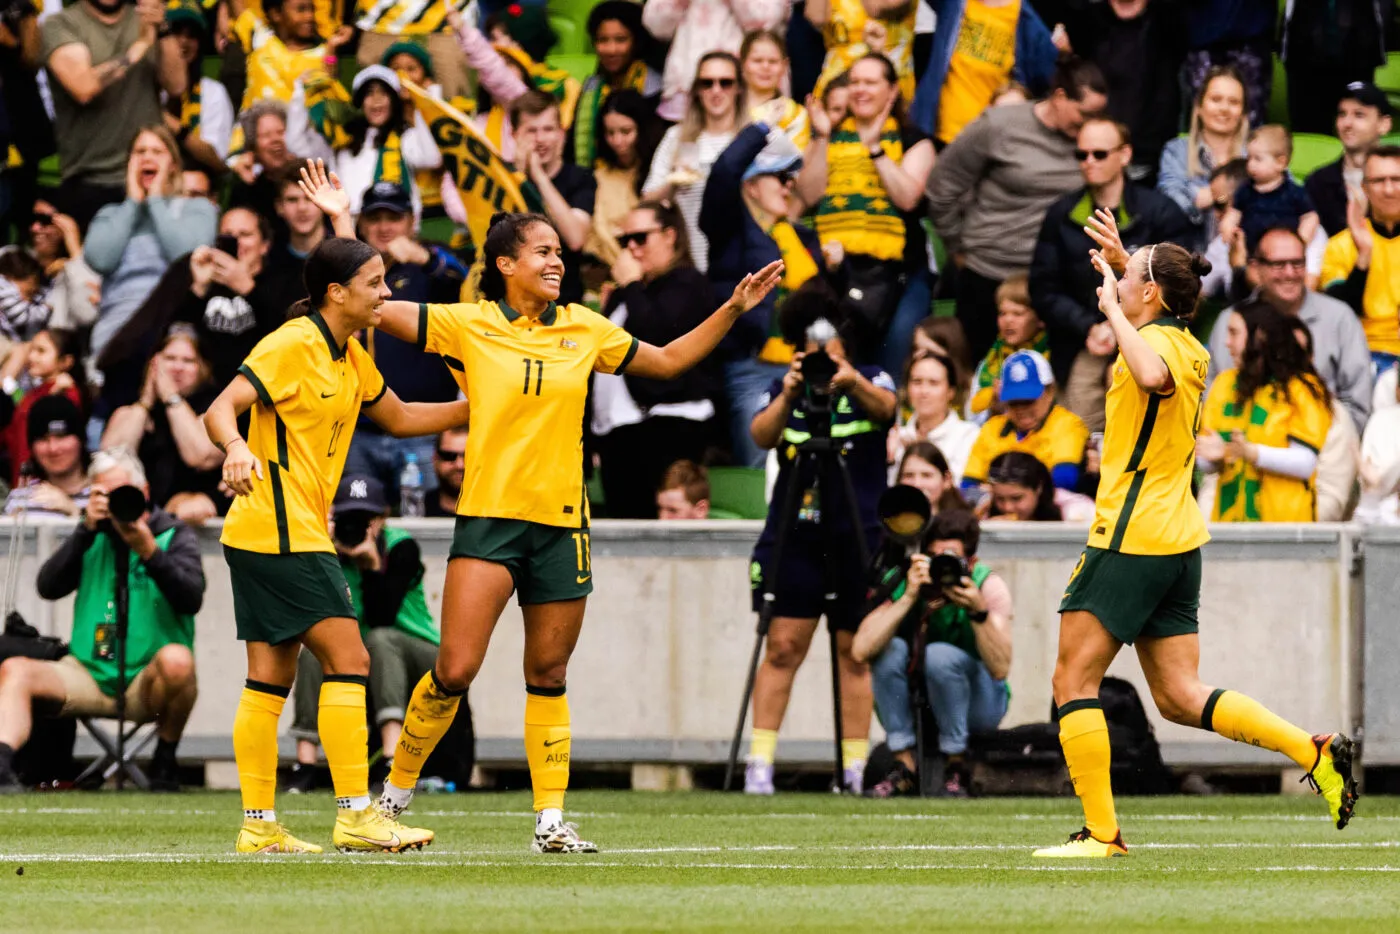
x=737, y=492
x=1277, y=110
x=437, y=229
x=579, y=66
x=723, y=514
x=575, y=13
x=1312, y=151
x=1391, y=140
x=945, y=308
x=1388, y=78
x=569, y=37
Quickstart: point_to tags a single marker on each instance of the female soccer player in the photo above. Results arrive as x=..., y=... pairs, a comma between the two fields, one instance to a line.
x=522, y=525
x=306, y=383
x=1139, y=579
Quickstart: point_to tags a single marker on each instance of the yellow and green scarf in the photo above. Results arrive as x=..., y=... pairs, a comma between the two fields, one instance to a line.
x=190, y=105
x=556, y=82
x=856, y=210
x=984, y=393
x=590, y=101
x=799, y=266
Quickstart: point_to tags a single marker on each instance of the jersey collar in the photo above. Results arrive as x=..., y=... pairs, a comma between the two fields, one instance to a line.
x=1167, y=321
x=337, y=353
x=547, y=318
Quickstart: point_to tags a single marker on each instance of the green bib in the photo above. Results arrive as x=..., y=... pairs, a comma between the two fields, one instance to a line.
x=413, y=617
x=949, y=623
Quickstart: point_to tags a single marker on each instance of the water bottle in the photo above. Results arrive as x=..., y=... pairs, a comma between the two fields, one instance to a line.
x=410, y=488
x=433, y=785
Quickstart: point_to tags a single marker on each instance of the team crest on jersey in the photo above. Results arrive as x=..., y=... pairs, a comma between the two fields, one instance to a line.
x=568, y=344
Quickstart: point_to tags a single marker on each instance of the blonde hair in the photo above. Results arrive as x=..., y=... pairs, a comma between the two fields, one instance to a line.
x=1015, y=288
x=1193, y=138
x=693, y=123
x=174, y=179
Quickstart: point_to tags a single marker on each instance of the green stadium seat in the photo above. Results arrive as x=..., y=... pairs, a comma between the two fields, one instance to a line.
x=437, y=229
x=1312, y=151
x=570, y=38
x=945, y=308
x=1391, y=140
x=1388, y=78
x=723, y=514
x=738, y=491
x=578, y=66
x=1277, y=111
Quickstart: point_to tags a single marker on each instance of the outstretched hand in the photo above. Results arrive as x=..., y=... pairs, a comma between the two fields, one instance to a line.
x=1108, y=292
x=755, y=287
x=1102, y=228
x=323, y=189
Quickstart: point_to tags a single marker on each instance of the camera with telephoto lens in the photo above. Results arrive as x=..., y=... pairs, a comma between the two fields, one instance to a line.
x=126, y=503
x=947, y=568
x=352, y=526
x=817, y=367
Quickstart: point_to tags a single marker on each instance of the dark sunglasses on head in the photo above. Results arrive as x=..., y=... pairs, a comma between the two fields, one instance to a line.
x=1099, y=154
x=445, y=455
x=723, y=83
x=639, y=237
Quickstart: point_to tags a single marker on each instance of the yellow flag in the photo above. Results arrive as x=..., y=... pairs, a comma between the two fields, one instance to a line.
x=486, y=181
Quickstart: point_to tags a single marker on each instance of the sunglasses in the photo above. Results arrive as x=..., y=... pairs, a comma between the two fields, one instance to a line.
x=639, y=238
x=1282, y=263
x=1099, y=155
x=42, y=219
x=445, y=455
x=722, y=83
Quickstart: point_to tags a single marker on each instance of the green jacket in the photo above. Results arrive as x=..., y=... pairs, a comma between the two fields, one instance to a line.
x=403, y=573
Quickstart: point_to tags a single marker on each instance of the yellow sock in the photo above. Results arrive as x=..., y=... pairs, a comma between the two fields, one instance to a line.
x=763, y=745
x=1243, y=719
x=345, y=737
x=854, y=751
x=430, y=713
x=1084, y=738
x=255, y=746
x=547, y=742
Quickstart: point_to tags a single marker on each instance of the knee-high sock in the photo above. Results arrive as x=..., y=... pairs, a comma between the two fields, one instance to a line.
x=1084, y=738
x=345, y=736
x=429, y=714
x=547, y=742
x=1236, y=716
x=255, y=743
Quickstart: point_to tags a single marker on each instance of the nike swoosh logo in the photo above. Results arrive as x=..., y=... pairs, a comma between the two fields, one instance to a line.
x=583, y=580
x=555, y=742
x=413, y=734
x=392, y=843
x=327, y=395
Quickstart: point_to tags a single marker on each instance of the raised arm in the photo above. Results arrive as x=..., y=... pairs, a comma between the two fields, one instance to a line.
x=324, y=190
x=1146, y=365
x=414, y=419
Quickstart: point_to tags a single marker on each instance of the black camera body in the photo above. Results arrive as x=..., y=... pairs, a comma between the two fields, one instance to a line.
x=352, y=526
x=126, y=503
x=947, y=570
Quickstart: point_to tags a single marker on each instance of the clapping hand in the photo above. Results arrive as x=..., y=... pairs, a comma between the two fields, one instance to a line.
x=755, y=287
x=818, y=118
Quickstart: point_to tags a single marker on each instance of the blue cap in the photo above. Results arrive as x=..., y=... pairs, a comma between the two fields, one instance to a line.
x=779, y=155
x=1025, y=376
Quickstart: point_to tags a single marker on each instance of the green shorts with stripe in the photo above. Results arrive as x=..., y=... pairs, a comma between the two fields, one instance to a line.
x=276, y=598
x=546, y=562
x=1137, y=595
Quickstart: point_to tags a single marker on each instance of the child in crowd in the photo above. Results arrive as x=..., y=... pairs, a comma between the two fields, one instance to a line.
x=1270, y=197
x=49, y=361
x=684, y=492
x=1018, y=328
x=835, y=98
x=22, y=311
x=1225, y=180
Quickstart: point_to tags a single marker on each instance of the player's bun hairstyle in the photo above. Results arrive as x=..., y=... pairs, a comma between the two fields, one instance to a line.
x=334, y=262
x=1177, y=273
x=504, y=237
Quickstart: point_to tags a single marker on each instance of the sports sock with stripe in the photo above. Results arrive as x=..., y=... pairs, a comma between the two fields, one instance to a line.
x=255, y=745
x=547, y=744
x=1084, y=738
x=1239, y=717
x=345, y=738
x=430, y=712
x=763, y=745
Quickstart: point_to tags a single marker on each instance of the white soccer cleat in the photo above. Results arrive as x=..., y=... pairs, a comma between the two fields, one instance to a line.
x=560, y=838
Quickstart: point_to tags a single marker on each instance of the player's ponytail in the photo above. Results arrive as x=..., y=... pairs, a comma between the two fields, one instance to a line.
x=1177, y=274
x=504, y=237
x=334, y=262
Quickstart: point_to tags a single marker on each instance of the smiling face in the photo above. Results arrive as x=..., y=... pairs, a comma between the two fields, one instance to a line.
x=1222, y=106
x=296, y=22
x=717, y=86
x=1280, y=265
x=43, y=360
x=408, y=66
x=57, y=455
x=870, y=89
x=764, y=68
x=381, y=227
x=44, y=234
x=924, y=477
x=771, y=193
x=613, y=46
x=152, y=159
x=1360, y=126
x=930, y=391
x=378, y=103
x=542, y=134
x=620, y=133
x=1135, y=292
x=537, y=269
x=270, y=142
x=360, y=298
x=1382, y=184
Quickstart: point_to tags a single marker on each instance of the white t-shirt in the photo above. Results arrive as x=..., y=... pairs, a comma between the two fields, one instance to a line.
x=697, y=156
x=954, y=438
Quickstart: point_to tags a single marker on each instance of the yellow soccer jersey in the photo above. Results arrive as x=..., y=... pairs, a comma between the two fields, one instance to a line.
x=273, y=70
x=527, y=381
x=1058, y=440
x=309, y=394
x=403, y=17
x=1273, y=418
x=1144, y=506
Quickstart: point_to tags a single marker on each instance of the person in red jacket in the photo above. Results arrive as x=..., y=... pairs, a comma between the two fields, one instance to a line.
x=49, y=359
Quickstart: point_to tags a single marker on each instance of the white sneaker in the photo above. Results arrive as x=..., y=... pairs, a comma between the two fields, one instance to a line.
x=758, y=778
x=560, y=838
x=854, y=778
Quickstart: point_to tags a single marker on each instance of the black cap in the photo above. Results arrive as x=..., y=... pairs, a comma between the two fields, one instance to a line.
x=1368, y=95
x=387, y=196
x=359, y=493
x=54, y=415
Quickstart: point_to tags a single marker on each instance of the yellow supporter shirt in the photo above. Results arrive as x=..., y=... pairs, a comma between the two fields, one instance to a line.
x=273, y=68
x=309, y=394
x=1058, y=440
x=844, y=34
x=327, y=16
x=981, y=63
x=527, y=380
x=1381, y=300
x=1144, y=505
x=403, y=17
x=1274, y=418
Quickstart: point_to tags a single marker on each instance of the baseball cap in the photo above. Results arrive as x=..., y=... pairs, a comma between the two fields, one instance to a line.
x=54, y=415
x=779, y=155
x=1368, y=95
x=359, y=493
x=185, y=12
x=1025, y=376
x=386, y=196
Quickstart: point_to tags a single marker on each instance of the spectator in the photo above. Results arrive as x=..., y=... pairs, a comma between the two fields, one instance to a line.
x=682, y=162
x=684, y=492
x=107, y=67
x=1021, y=490
x=198, y=184
x=202, y=117
x=1018, y=328
x=383, y=25
x=1340, y=355
x=1264, y=424
x=49, y=362
x=1238, y=35
x=164, y=429
x=625, y=147
x=1339, y=460
x=256, y=171
x=1326, y=46
x=852, y=29
x=165, y=589
x=500, y=80
x=644, y=425
x=1364, y=115
x=1139, y=45
x=377, y=146
x=835, y=100
x=694, y=28
x=293, y=49
x=923, y=466
x=1220, y=282
x=1033, y=423
x=410, y=62
x=71, y=289
x=929, y=388
x=1218, y=132
x=1379, y=467
x=962, y=623
x=755, y=171
x=55, y=483
x=1063, y=287
x=938, y=334
x=306, y=228
x=131, y=244
x=978, y=46
x=764, y=58
x=619, y=41
x=1362, y=263
x=991, y=187
x=23, y=311
x=1270, y=198
x=449, y=463
x=866, y=178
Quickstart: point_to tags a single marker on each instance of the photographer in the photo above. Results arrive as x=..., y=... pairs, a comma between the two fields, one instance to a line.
x=165, y=584
x=820, y=554
x=954, y=613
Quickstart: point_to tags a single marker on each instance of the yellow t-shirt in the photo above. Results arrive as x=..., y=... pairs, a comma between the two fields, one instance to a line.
x=1381, y=300
x=1274, y=418
x=1144, y=505
x=527, y=380
x=309, y=394
x=981, y=63
x=1058, y=440
x=273, y=69
x=403, y=17
x=844, y=34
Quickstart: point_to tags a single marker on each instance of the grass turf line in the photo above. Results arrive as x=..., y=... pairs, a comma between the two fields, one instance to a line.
x=702, y=862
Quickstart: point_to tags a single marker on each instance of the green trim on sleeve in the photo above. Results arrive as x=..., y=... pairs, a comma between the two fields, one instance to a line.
x=383, y=388
x=631, y=352
x=422, y=328
x=263, y=395
x=1297, y=440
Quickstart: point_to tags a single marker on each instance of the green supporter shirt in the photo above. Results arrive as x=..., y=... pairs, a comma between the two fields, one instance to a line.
x=413, y=617
x=949, y=623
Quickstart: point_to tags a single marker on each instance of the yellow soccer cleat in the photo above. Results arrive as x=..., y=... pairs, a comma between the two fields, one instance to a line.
x=265, y=836
x=1083, y=845
x=372, y=831
x=1331, y=776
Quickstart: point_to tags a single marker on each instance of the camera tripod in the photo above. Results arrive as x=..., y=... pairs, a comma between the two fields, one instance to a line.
x=824, y=454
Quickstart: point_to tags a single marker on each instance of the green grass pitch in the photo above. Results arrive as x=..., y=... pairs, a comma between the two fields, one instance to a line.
x=703, y=862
